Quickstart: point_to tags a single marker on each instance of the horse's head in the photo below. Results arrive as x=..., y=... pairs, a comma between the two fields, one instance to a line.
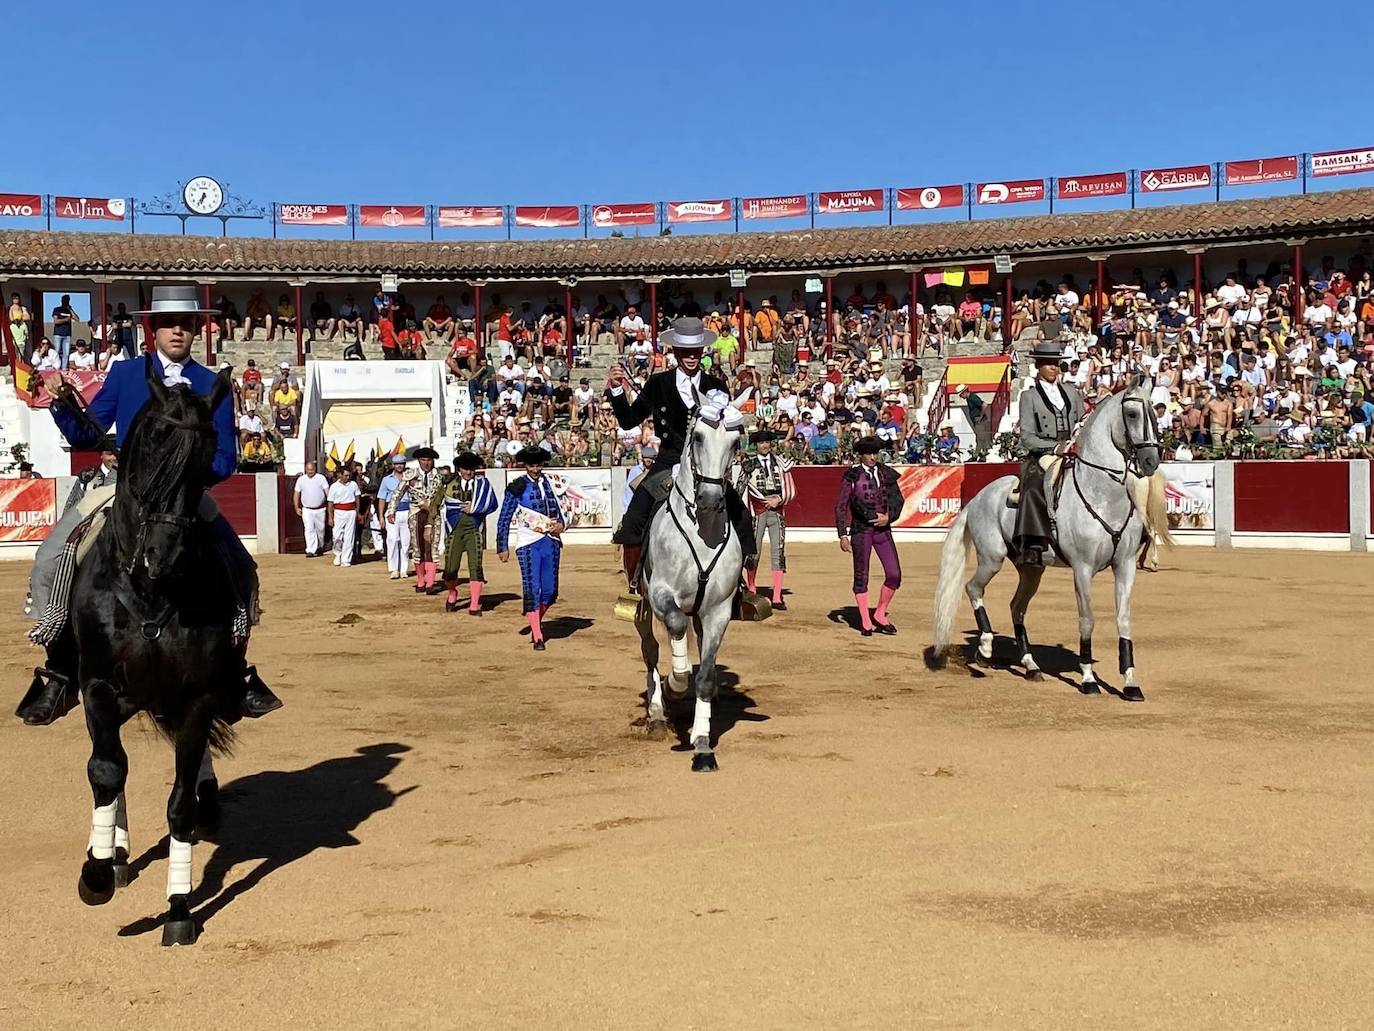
x=1137, y=436
x=712, y=438
x=166, y=466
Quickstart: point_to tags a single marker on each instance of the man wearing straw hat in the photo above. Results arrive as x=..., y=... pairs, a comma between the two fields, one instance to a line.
x=172, y=323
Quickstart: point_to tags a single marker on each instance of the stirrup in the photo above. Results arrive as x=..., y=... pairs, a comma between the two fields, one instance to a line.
x=627, y=606
x=50, y=696
x=751, y=607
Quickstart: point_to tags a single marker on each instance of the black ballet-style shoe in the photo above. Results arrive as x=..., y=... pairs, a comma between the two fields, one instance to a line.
x=450, y=606
x=885, y=628
x=539, y=646
x=865, y=632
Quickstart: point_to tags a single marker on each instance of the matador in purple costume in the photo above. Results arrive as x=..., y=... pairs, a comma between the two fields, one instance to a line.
x=870, y=502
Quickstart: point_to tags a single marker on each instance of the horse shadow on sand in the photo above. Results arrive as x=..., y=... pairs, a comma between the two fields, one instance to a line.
x=730, y=707
x=280, y=816
x=1055, y=661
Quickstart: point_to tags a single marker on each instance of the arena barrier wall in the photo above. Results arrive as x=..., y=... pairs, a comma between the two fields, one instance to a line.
x=1299, y=504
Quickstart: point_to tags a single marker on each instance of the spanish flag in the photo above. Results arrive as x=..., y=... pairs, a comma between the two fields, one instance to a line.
x=25, y=380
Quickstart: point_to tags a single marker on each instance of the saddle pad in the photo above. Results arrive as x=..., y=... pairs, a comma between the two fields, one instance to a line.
x=1053, y=466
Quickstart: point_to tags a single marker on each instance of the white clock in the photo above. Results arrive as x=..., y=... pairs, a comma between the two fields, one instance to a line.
x=203, y=195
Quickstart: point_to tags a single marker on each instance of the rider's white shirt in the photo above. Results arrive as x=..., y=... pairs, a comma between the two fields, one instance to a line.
x=689, y=388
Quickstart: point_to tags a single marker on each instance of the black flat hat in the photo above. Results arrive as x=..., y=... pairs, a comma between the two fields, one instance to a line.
x=762, y=437
x=868, y=446
x=533, y=455
x=468, y=460
x=425, y=452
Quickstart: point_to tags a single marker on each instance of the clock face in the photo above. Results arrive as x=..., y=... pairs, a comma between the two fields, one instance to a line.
x=203, y=195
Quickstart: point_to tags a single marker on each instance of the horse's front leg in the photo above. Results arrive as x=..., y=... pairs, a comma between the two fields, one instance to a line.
x=192, y=741
x=1083, y=588
x=106, y=864
x=1025, y=591
x=1125, y=580
x=711, y=628
x=677, y=622
x=655, y=720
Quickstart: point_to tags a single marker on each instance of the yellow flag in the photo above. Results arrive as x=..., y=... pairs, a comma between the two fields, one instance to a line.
x=331, y=462
x=400, y=446
x=954, y=277
x=348, y=452
x=377, y=451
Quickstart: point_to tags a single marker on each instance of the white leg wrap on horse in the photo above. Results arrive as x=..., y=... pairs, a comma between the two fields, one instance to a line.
x=101, y=842
x=1087, y=668
x=682, y=662
x=178, y=868
x=121, y=828
x=985, y=645
x=701, y=722
x=656, y=697
x=1028, y=662
x=1130, y=674
x=207, y=768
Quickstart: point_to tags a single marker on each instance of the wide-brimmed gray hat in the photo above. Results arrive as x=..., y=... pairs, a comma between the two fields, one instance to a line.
x=688, y=334
x=1046, y=350
x=177, y=300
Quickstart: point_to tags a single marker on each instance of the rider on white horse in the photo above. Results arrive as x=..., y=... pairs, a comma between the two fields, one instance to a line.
x=1049, y=412
x=669, y=398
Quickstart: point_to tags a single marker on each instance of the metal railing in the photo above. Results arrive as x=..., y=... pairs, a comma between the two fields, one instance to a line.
x=1001, y=402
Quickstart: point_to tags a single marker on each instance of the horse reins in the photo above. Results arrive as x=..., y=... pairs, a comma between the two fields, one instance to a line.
x=1131, y=453
x=703, y=571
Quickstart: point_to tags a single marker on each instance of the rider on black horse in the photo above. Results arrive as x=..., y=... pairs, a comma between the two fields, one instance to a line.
x=669, y=398
x=173, y=321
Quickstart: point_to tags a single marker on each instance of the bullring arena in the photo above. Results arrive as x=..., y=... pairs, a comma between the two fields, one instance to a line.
x=439, y=829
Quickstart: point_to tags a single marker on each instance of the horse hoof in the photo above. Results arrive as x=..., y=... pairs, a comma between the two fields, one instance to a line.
x=1035, y=675
x=656, y=730
x=179, y=932
x=704, y=762
x=1089, y=687
x=96, y=885
x=1132, y=693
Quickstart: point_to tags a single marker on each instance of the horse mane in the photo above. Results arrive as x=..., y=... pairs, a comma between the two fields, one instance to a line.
x=167, y=443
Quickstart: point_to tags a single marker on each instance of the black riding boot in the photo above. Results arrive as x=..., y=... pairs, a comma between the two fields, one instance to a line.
x=52, y=693
x=258, y=699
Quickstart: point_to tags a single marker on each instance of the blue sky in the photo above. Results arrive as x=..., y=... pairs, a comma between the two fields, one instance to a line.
x=605, y=102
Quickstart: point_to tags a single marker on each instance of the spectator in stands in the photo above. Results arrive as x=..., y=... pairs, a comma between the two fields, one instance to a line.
x=767, y=323
x=250, y=424
x=82, y=359
x=970, y=316
x=285, y=420
x=350, y=319
x=411, y=343
x=45, y=358
x=386, y=336
x=462, y=355
x=258, y=313
x=439, y=319
x=228, y=319
x=584, y=403
x=112, y=353
x=725, y=351
x=63, y=318
x=21, y=325
x=250, y=392
x=286, y=316
x=321, y=318
x=630, y=327
x=284, y=392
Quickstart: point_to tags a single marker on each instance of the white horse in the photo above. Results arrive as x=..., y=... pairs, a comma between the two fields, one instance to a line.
x=1099, y=519
x=691, y=570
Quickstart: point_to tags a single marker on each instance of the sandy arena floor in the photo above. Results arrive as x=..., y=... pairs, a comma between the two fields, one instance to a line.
x=445, y=829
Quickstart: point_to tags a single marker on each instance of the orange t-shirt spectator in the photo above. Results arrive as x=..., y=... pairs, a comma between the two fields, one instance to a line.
x=386, y=336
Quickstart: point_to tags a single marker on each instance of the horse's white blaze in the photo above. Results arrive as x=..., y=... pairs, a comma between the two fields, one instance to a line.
x=701, y=721
x=682, y=662
x=102, y=840
x=207, y=768
x=178, y=868
x=121, y=828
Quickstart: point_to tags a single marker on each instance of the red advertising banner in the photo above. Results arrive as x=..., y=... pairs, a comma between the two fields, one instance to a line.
x=28, y=509
x=1331, y=162
x=106, y=209
x=604, y=216
x=701, y=210
x=838, y=202
x=774, y=207
x=1261, y=170
x=465, y=217
x=391, y=216
x=312, y=214
x=932, y=493
x=1109, y=184
x=1017, y=192
x=20, y=205
x=930, y=197
x=558, y=216
x=1182, y=177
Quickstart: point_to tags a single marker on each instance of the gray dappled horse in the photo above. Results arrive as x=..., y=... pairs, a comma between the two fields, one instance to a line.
x=1096, y=511
x=690, y=572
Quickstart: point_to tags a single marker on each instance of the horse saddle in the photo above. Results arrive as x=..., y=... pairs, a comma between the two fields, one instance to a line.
x=1053, y=467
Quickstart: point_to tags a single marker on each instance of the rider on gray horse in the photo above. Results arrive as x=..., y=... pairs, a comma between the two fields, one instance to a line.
x=669, y=398
x=1049, y=412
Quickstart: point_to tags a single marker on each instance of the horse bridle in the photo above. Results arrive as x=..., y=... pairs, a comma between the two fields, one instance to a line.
x=1131, y=454
x=703, y=571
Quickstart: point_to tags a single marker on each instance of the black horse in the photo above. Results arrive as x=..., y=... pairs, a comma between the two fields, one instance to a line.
x=153, y=614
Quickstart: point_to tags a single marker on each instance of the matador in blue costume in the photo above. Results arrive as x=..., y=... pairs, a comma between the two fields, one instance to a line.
x=530, y=512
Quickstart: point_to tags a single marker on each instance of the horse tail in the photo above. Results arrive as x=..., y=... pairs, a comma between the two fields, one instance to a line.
x=1157, y=510
x=953, y=561
x=220, y=742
